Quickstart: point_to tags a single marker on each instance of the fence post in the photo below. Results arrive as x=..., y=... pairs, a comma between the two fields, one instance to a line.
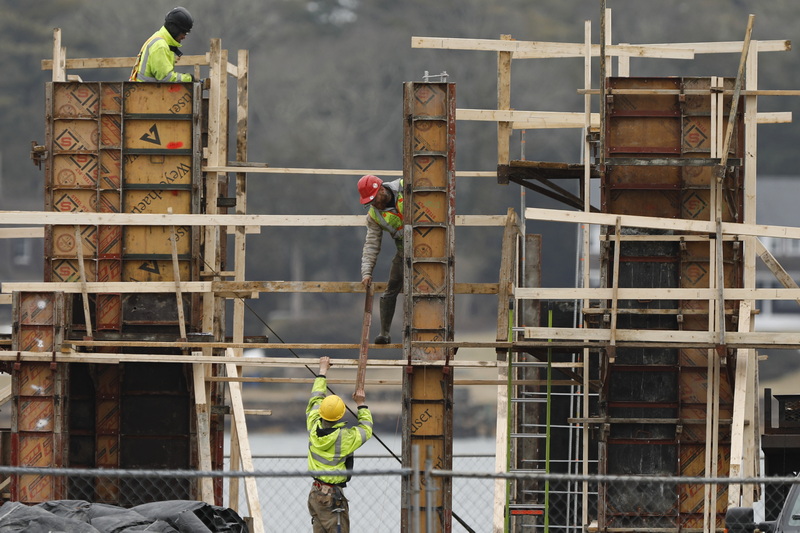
x=429, y=489
x=414, y=511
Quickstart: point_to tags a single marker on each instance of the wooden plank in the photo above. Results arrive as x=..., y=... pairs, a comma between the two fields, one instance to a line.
x=364, y=347
x=540, y=49
x=277, y=362
x=117, y=62
x=176, y=272
x=262, y=168
x=87, y=315
x=185, y=219
x=235, y=288
x=206, y=485
x=21, y=233
x=279, y=345
x=529, y=119
x=237, y=409
x=626, y=293
x=615, y=285
x=635, y=221
x=729, y=47
x=58, y=63
x=503, y=103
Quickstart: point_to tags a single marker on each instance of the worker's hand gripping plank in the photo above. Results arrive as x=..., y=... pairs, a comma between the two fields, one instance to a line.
x=362, y=354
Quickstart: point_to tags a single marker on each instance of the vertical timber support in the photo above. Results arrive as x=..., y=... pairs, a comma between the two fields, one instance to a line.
x=429, y=263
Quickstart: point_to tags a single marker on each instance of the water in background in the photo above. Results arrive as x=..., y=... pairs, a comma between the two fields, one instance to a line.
x=375, y=504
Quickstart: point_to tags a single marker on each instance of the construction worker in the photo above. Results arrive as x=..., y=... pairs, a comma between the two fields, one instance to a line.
x=330, y=447
x=156, y=60
x=385, y=203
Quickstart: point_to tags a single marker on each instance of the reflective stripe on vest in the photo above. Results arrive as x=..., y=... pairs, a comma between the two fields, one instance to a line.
x=140, y=76
x=391, y=221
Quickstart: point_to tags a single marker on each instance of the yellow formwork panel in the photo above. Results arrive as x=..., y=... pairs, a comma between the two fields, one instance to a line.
x=150, y=134
x=65, y=245
x=153, y=270
x=158, y=98
x=429, y=278
x=75, y=135
x=155, y=240
x=427, y=353
x=157, y=201
x=429, y=100
x=429, y=207
x=63, y=270
x=75, y=170
x=429, y=242
x=429, y=171
x=430, y=136
x=76, y=100
x=158, y=168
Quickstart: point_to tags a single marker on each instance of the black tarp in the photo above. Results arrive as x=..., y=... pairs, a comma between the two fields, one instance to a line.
x=78, y=516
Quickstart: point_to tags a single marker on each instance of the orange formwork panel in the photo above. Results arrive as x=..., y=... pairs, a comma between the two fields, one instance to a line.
x=37, y=412
x=429, y=251
x=658, y=155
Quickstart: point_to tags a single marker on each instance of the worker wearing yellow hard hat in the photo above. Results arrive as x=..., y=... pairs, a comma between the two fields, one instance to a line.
x=330, y=448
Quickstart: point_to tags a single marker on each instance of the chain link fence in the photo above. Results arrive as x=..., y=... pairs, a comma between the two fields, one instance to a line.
x=536, y=502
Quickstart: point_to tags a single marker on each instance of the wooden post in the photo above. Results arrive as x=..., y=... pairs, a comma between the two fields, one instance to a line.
x=82, y=271
x=503, y=102
x=361, y=374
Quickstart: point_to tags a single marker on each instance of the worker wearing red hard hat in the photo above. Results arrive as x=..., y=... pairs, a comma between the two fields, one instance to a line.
x=156, y=60
x=385, y=203
x=330, y=448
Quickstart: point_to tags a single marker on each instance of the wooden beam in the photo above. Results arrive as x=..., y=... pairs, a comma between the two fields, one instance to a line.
x=655, y=293
x=164, y=219
x=668, y=337
x=206, y=485
x=528, y=119
x=237, y=408
x=541, y=49
x=234, y=288
x=565, y=119
x=21, y=233
x=635, y=221
x=118, y=62
x=277, y=362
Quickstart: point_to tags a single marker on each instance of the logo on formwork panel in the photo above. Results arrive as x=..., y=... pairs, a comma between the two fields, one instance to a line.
x=694, y=205
x=694, y=137
x=152, y=136
x=424, y=94
x=694, y=272
x=66, y=140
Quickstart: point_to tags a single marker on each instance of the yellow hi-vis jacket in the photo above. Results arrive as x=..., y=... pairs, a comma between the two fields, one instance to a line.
x=329, y=448
x=156, y=62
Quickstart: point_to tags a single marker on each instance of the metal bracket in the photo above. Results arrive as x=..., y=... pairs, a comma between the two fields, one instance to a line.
x=38, y=154
x=429, y=78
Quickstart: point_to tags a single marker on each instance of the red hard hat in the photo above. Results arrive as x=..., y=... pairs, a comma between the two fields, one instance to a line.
x=368, y=187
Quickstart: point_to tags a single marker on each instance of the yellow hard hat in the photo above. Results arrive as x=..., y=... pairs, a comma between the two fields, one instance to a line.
x=331, y=408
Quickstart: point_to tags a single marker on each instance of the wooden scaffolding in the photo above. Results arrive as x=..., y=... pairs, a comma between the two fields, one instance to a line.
x=726, y=340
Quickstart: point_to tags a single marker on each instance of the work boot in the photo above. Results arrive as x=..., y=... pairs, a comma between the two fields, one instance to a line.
x=387, y=314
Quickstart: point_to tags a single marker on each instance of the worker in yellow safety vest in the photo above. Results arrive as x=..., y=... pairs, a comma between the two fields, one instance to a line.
x=330, y=448
x=156, y=60
x=384, y=200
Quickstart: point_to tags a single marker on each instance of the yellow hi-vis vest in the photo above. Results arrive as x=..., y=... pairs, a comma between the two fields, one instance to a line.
x=156, y=62
x=391, y=219
x=328, y=450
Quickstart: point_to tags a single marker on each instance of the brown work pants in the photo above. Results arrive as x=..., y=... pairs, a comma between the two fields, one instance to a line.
x=321, y=506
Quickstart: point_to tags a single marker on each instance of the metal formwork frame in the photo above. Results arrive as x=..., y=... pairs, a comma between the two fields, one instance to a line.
x=429, y=279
